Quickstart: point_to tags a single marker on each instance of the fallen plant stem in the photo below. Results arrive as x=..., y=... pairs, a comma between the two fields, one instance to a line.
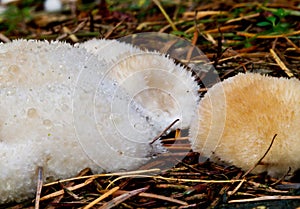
x=158, y=4
x=281, y=64
x=258, y=162
x=275, y=197
x=164, y=131
x=252, y=35
x=116, y=201
x=292, y=43
x=164, y=198
x=246, y=17
x=201, y=14
x=155, y=170
x=102, y=197
x=113, y=29
x=62, y=191
x=39, y=188
x=174, y=179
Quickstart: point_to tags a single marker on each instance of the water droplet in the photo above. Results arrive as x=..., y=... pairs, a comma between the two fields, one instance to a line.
x=51, y=88
x=32, y=113
x=138, y=110
x=115, y=117
x=48, y=123
x=10, y=92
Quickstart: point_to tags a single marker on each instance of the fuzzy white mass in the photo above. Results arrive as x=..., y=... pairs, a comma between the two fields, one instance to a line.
x=59, y=111
x=165, y=89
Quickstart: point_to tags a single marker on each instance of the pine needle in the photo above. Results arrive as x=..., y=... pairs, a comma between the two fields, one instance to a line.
x=163, y=11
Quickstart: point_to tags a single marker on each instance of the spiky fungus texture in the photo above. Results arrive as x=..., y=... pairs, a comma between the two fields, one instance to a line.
x=164, y=89
x=238, y=118
x=59, y=111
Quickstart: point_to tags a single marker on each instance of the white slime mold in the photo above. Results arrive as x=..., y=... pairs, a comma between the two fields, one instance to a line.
x=59, y=111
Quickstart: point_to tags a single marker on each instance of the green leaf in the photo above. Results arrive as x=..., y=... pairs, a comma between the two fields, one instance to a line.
x=264, y=23
x=272, y=19
x=247, y=44
x=280, y=13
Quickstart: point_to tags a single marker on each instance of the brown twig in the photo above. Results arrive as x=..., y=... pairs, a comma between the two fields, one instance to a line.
x=102, y=197
x=259, y=161
x=264, y=198
x=161, y=197
x=117, y=200
x=62, y=191
x=251, y=35
x=281, y=64
x=39, y=188
x=164, y=131
x=158, y=4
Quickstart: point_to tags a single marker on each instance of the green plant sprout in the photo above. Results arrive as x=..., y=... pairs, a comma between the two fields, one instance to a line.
x=274, y=23
x=17, y=15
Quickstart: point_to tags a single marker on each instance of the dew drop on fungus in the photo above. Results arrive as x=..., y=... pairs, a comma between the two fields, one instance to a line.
x=48, y=123
x=51, y=88
x=32, y=113
x=11, y=92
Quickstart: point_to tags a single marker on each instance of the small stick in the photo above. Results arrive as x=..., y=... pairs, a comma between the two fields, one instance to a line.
x=67, y=185
x=72, y=188
x=154, y=170
x=181, y=138
x=113, y=29
x=4, y=38
x=278, y=197
x=281, y=64
x=164, y=131
x=237, y=187
x=157, y=196
x=201, y=14
x=250, y=35
x=158, y=4
x=251, y=169
x=290, y=42
x=117, y=200
x=282, y=177
x=178, y=180
x=71, y=35
x=39, y=188
x=246, y=17
x=102, y=197
x=164, y=198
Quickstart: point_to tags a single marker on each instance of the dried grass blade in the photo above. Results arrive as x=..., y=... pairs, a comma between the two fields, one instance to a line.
x=160, y=197
x=163, y=11
x=154, y=170
x=164, y=131
x=39, y=188
x=62, y=191
x=278, y=197
x=201, y=14
x=281, y=64
x=114, y=202
x=102, y=197
x=251, y=35
x=259, y=161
